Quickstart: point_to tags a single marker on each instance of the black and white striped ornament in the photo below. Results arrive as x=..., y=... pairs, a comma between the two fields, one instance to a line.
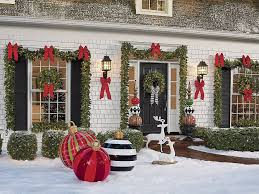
x=189, y=110
x=122, y=154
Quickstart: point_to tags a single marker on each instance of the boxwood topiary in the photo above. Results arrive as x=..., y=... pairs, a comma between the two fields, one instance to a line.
x=134, y=136
x=45, y=126
x=22, y=146
x=239, y=139
x=50, y=143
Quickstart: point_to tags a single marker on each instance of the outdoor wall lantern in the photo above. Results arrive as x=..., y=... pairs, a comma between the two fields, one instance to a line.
x=106, y=65
x=202, y=69
x=105, y=80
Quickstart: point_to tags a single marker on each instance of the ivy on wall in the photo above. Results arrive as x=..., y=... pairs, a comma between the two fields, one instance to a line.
x=231, y=64
x=128, y=52
x=9, y=82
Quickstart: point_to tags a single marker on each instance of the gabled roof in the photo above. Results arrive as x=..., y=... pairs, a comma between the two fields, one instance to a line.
x=219, y=15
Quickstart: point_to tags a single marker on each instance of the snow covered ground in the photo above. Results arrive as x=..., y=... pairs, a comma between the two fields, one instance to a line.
x=226, y=153
x=188, y=176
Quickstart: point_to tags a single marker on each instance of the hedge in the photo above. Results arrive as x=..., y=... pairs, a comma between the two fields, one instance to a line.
x=50, y=143
x=22, y=146
x=45, y=126
x=238, y=139
x=1, y=142
x=134, y=136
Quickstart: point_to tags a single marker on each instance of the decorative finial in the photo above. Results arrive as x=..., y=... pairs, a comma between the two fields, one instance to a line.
x=118, y=134
x=72, y=127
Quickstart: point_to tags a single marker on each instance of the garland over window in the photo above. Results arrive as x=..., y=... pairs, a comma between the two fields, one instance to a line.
x=130, y=53
x=11, y=57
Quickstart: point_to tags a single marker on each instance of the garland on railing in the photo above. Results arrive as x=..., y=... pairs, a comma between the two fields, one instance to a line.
x=130, y=53
x=10, y=59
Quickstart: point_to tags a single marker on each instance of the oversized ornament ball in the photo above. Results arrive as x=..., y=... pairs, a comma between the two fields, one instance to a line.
x=189, y=110
x=135, y=110
x=92, y=163
x=189, y=120
x=72, y=143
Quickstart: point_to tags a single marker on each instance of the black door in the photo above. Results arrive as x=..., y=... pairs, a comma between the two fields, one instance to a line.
x=148, y=110
x=226, y=87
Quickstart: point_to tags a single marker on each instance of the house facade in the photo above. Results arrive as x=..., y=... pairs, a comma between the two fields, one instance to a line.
x=205, y=28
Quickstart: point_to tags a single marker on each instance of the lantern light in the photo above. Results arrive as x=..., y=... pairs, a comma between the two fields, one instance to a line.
x=106, y=63
x=202, y=69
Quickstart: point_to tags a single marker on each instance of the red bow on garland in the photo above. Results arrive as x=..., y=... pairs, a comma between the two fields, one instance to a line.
x=48, y=90
x=48, y=54
x=219, y=60
x=105, y=87
x=199, y=89
x=246, y=61
x=12, y=51
x=155, y=50
x=83, y=52
x=248, y=95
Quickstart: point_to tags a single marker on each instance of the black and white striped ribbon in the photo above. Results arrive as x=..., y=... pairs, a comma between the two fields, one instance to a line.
x=154, y=95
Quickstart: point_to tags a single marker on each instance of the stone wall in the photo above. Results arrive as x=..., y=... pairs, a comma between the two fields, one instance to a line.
x=230, y=15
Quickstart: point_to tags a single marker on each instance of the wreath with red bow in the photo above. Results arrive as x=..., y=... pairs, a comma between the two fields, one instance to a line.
x=49, y=80
x=243, y=82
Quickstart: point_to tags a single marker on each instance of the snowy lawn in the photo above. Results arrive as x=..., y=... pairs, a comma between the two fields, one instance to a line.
x=188, y=176
x=226, y=153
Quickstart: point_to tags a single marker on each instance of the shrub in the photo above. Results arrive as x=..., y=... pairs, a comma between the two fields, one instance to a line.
x=50, y=143
x=246, y=123
x=1, y=142
x=134, y=136
x=239, y=139
x=22, y=146
x=45, y=126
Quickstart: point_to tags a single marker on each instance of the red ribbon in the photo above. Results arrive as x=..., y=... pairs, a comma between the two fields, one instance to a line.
x=248, y=95
x=105, y=87
x=246, y=61
x=12, y=51
x=155, y=49
x=48, y=90
x=199, y=89
x=219, y=60
x=83, y=52
x=48, y=54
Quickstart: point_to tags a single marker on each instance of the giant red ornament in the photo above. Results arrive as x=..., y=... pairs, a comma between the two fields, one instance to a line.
x=189, y=120
x=72, y=143
x=92, y=163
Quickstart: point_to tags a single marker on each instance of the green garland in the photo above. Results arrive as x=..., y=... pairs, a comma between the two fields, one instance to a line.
x=50, y=76
x=243, y=81
x=131, y=53
x=150, y=78
x=217, y=96
x=9, y=68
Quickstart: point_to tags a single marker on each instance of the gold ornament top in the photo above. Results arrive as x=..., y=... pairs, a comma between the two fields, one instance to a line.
x=72, y=127
x=118, y=134
x=96, y=145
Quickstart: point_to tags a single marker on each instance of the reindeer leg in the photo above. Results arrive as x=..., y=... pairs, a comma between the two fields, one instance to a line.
x=147, y=144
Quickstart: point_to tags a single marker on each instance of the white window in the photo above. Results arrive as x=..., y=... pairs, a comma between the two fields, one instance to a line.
x=154, y=7
x=46, y=109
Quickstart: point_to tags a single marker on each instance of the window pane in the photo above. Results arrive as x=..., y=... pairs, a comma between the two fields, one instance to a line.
x=153, y=4
x=35, y=71
x=35, y=83
x=36, y=62
x=161, y=5
x=62, y=72
x=36, y=96
x=145, y=4
x=61, y=108
x=36, y=118
x=36, y=107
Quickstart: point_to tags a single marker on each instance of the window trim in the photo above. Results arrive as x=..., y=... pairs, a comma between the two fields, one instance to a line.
x=168, y=13
x=29, y=93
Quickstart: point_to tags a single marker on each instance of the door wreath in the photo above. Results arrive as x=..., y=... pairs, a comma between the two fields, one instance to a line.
x=154, y=84
x=49, y=80
x=246, y=86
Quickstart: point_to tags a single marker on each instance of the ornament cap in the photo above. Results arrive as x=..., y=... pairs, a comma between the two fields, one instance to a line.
x=96, y=145
x=118, y=134
x=72, y=127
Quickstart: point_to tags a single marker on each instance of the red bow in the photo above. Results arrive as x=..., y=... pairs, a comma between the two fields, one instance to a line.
x=83, y=52
x=12, y=51
x=199, y=89
x=48, y=90
x=248, y=95
x=246, y=61
x=105, y=87
x=219, y=60
x=155, y=49
x=48, y=54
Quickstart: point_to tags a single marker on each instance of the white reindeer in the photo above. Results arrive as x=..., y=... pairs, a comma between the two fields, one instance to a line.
x=168, y=157
x=160, y=137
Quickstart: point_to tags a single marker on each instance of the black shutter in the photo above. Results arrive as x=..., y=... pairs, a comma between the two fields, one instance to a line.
x=226, y=87
x=76, y=92
x=21, y=102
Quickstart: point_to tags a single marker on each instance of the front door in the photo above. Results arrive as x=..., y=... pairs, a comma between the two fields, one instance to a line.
x=149, y=110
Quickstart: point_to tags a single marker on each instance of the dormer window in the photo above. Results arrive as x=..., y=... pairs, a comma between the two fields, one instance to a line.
x=154, y=7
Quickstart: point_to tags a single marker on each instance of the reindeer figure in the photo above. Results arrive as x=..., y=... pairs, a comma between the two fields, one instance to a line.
x=160, y=137
x=168, y=157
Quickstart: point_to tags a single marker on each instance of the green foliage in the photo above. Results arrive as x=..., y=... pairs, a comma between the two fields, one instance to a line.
x=239, y=139
x=238, y=63
x=50, y=143
x=129, y=52
x=45, y=126
x=217, y=97
x=243, y=81
x=9, y=68
x=22, y=146
x=134, y=136
x=152, y=77
x=1, y=142
x=50, y=76
x=246, y=123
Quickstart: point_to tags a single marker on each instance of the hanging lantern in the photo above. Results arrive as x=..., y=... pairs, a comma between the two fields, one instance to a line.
x=202, y=69
x=106, y=64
